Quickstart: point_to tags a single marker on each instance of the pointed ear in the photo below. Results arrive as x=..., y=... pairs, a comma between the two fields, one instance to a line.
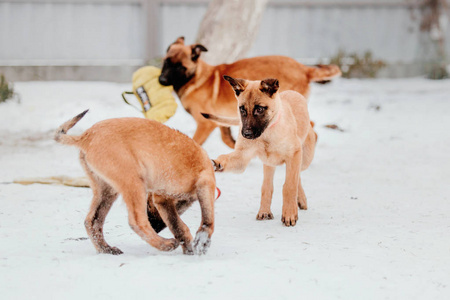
x=197, y=49
x=269, y=86
x=237, y=84
x=179, y=40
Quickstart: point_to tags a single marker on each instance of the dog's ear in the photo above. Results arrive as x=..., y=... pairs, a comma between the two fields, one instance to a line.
x=179, y=40
x=269, y=86
x=237, y=84
x=196, y=51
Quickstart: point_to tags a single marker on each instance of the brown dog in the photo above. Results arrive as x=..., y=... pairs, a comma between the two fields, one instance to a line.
x=276, y=128
x=133, y=157
x=201, y=89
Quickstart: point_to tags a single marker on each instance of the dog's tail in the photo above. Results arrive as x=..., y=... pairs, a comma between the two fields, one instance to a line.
x=323, y=73
x=61, y=133
x=222, y=121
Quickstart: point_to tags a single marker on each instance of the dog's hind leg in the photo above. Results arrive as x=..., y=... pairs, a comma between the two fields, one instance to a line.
x=205, y=194
x=203, y=131
x=134, y=195
x=169, y=214
x=103, y=199
x=309, y=146
x=266, y=194
x=227, y=138
x=301, y=197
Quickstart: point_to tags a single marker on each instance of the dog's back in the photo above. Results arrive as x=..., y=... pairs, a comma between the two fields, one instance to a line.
x=139, y=147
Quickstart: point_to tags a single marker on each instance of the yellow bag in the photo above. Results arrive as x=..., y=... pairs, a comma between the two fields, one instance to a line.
x=157, y=101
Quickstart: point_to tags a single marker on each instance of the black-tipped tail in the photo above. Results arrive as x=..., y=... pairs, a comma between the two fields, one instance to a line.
x=82, y=114
x=60, y=134
x=222, y=121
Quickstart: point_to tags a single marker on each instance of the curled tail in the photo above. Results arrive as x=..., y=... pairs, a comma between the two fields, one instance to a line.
x=323, y=72
x=61, y=133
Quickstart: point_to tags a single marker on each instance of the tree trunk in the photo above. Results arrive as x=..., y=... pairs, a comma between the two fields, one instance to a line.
x=433, y=22
x=229, y=29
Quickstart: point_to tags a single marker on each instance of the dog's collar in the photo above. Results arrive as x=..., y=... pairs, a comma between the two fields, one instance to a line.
x=277, y=119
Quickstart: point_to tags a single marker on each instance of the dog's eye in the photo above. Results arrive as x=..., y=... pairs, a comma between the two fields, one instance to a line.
x=259, y=109
x=242, y=110
x=180, y=67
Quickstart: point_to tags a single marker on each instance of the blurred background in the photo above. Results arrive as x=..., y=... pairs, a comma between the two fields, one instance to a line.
x=108, y=40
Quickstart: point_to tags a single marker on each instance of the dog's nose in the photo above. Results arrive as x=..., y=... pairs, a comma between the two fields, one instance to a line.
x=163, y=80
x=247, y=133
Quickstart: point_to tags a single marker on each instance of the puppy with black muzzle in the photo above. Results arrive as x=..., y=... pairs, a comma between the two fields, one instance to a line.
x=156, y=169
x=201, y=89
x=276, y=128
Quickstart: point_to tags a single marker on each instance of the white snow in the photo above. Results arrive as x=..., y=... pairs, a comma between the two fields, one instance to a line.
x=377, y=224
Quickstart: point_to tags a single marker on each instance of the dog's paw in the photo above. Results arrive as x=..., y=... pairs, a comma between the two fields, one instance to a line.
x=301, y=201
x=201, y=242
x=264, y=216
x=302, y=206
x=218, y=167
x=169, y=245
x=112, y=250
x=289, y=220
x=187, y=249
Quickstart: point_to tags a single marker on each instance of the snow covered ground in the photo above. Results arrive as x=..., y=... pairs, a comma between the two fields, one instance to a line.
x=377, y=224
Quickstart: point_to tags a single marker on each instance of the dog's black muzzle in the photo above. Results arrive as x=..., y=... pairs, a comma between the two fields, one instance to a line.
x=163, y=80
x=250, y=134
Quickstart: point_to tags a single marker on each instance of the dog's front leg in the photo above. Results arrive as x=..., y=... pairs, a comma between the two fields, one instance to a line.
x=153, y=215
x=169, y=214
x=266, y=194
x=134, y=196
x=290, y=190
x=235, y=161
x=205, y=194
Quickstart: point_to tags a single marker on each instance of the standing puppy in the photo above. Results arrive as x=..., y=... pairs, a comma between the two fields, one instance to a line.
x=276, y=128
x=134, y=157
x=201, y=89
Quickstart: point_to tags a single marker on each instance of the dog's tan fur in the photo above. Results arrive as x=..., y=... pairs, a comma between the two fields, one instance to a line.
x=207, y=92
x=134, y=157
x=288, y=138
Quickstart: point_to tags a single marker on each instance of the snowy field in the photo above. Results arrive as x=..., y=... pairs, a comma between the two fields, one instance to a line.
x=377, y=224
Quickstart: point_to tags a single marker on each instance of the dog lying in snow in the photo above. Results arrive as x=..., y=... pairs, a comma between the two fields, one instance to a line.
x=134, y=157
x=275, y=127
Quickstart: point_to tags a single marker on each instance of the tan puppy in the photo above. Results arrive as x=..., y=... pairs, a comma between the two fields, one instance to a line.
x=134, y=157
x=276, y=128
x=201, y=89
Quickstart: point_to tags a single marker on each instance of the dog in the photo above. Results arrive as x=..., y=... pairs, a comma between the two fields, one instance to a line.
x=201, y=89
x=276, y=128
x=135, y=157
